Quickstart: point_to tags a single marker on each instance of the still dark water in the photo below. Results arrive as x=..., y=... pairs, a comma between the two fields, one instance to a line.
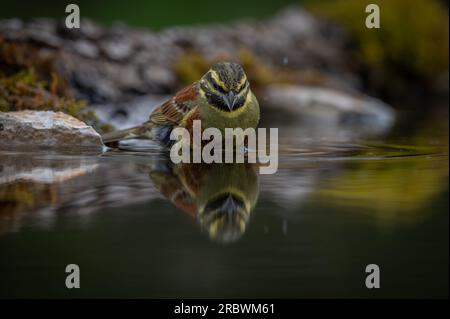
x=138, y=226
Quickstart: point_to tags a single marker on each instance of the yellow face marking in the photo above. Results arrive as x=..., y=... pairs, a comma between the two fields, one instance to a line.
x=218, y=81
x=241, y=82
x=202, y=93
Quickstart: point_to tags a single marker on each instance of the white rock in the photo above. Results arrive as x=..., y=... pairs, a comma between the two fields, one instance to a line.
x=48, y=130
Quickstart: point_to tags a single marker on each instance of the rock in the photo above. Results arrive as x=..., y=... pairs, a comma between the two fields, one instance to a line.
x=306, y=113
x=86, y=49
x=158, y=79
x=121, y=116
x=46, y=129
x=330, y=109
x=11, y=24
x=94, y=58
x=117, y=49
x=124, y=72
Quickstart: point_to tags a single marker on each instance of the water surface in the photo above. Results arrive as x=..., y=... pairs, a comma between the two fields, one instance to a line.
x=139, y=226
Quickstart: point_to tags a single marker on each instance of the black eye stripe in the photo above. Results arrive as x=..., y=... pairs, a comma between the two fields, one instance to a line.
x=216, y=86
x=218, y=101
x=204, y=87
x=240, y=101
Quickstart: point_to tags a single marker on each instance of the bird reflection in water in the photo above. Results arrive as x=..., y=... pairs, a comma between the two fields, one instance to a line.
x=220, y=196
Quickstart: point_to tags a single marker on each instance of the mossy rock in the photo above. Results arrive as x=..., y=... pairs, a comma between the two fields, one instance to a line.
x=29, y=81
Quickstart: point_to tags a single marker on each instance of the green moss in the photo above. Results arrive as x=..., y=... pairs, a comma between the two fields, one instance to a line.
x=413, y=34
x=105, y=128
x=29, y=82
x=24, y=91
x=190, y=67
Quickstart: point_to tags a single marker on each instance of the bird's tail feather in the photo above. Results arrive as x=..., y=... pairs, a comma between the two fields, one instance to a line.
x=113, y=137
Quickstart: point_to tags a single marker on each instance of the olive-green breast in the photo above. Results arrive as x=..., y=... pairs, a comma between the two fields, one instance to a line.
x=244, y=117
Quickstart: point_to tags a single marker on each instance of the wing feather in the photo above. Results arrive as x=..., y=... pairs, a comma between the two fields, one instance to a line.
x=174, y=110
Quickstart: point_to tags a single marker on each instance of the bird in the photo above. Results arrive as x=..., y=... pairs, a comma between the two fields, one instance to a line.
x=222, y=98
x=219, y=196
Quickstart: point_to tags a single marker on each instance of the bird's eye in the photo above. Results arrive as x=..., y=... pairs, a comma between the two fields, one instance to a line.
x=218, y=87
x=214, y=84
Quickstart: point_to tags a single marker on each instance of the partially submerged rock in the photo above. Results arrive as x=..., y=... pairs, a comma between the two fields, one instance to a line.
x=46, y=129
x=314, y=106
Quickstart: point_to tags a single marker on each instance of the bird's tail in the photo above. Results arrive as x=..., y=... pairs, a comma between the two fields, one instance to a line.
x=111, y=139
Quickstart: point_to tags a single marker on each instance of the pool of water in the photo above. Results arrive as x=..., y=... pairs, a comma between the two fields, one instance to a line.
x=139, y=226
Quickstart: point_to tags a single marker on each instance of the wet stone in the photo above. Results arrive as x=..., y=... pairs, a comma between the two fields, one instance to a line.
x=46, y=129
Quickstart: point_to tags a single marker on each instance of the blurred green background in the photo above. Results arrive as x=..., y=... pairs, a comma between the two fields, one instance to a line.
x=144, y=13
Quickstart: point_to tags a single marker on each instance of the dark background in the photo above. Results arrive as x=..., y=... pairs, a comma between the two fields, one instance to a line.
x=153, y=14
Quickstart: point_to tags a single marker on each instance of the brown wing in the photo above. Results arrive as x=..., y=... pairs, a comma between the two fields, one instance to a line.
x=171, y=187
x=173, y=111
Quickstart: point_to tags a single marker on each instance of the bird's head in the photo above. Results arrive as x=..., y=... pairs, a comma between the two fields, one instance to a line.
x=225, y=86
x=225, y=218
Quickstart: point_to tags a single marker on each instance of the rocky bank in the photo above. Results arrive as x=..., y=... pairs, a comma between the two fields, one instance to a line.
x=297, y=64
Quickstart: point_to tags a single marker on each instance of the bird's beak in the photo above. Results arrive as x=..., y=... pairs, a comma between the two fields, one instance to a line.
x=230, y=100
x=229, y=206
